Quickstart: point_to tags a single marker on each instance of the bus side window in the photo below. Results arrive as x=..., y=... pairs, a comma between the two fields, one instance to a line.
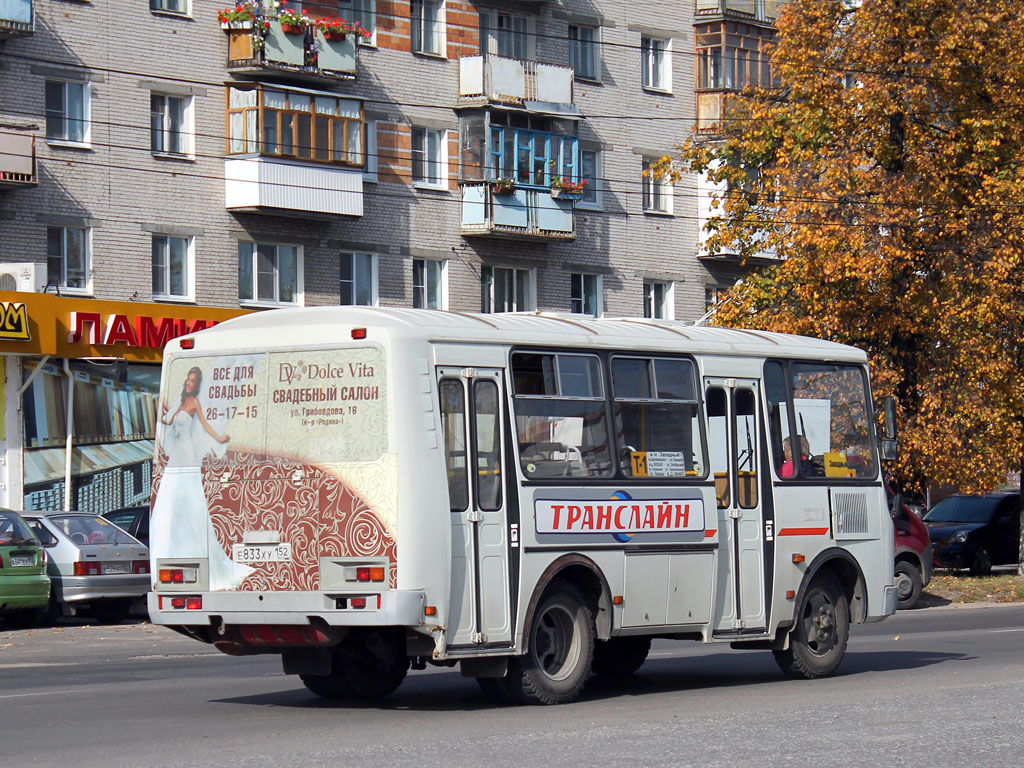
x=487, y=448
x=745, y=409
x=453, y=424
x=778, y=421
x=718, y=443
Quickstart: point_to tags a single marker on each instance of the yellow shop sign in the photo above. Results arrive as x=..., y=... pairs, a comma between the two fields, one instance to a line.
x=14, y=321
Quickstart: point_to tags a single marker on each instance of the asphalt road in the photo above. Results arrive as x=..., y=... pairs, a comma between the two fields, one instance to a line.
x=936, y=687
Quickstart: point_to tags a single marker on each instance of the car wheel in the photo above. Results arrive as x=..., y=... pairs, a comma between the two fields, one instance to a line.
x=817, y=642
x=620, y=657
x=111, y=611
x=908, y=584
x=982, y=563
x=560, y=649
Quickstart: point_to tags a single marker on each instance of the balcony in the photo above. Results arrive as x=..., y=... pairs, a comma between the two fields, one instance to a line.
x=269, y=184
x=752, y=10
x=523, y=213
x=538, y=87
x=17, y=160
x=15, y=18
x=257, y=49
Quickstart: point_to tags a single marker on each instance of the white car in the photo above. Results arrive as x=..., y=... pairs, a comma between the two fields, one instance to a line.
x=97, y=568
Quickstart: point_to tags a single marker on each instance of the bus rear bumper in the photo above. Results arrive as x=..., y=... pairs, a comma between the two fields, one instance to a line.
x=393, y=608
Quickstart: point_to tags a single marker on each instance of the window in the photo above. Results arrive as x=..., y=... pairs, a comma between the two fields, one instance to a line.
x=453, y=425
x=358, y=279
x=67, y=258
x=658, y=299
x=365, y=12
x=169, y=6
x=171, y=267
x=657, y=192
x=506, y=34
x=506, y=289
x=169, y=117
x=713, y=296
x=67, y=111
x=370, y=169
x=583, y=46
x=268, y=274
x=590, y=171
x=656, y=413
x=561, y=418
x=428, y=284
x=317, y=127
x=429, y=166
x=655, y=57
x=427, y=26
x=585, y=294
x=532, y=157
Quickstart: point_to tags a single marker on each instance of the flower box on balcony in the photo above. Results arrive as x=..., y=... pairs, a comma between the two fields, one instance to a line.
x=502, y=187
x=293, y=29
x=236, y=24
x=558, y=193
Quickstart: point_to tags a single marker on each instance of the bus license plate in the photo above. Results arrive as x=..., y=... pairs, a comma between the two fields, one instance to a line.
x=22, y=561
x=117, y=568
x=261, y=553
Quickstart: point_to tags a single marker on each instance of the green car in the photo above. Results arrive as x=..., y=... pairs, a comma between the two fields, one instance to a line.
x=24, y=585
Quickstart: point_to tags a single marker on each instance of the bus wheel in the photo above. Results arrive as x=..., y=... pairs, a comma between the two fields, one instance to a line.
x=495, y=688
x=908, y=585
x=621, y=656
x=559, y=651
x=817, y=643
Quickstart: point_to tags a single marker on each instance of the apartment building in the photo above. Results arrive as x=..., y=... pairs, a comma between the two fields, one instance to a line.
x=180, y=160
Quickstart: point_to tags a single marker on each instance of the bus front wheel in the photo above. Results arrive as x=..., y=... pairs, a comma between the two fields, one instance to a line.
x=817, y=642
x=560, y=650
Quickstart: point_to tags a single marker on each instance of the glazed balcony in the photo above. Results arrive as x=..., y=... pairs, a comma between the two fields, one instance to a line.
x=521, y=213
x=499, y=80
x=17, y=160
x=753, y=10
x=261, y=47
x=15, y=18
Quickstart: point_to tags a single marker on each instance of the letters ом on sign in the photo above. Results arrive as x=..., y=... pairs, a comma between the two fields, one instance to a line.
x=615, y=516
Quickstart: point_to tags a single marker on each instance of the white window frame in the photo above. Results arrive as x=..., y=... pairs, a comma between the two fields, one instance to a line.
x=665, y=309
x=594, y=185
x=423, y=289
x=187, y=132
x=82, y=290
x=577, y=47
x=374, y=277
x=190, y=281
x=255, y=300
x=63, y=141
x=441, y=160
x=440, y=38
x=655, y=75
x=517, y=275
x=186, y=11
x=365, y=12
x=655, y=189
x=370, y=166
x=578, y=293
x=491, y=34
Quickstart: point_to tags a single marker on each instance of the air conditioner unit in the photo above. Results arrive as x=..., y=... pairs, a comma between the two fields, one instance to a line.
x=27, y=277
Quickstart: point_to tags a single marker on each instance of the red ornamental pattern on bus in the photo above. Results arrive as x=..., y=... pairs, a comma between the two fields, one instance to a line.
x=617, y=516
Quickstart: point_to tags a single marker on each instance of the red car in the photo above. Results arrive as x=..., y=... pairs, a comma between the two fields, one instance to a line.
x=913, y=567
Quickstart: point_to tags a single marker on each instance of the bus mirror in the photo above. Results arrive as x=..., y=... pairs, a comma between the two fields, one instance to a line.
x=889, y=450
x=889, y=408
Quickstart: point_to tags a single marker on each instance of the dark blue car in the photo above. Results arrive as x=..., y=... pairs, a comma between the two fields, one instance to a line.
x=975, y=532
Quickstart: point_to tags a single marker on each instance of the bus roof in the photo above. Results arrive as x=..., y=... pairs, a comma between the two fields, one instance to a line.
x=315, y=326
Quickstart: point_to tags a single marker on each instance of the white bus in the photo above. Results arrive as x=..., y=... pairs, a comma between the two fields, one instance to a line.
x=532, y=496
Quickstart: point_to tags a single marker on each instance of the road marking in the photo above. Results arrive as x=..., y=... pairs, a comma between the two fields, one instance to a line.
x=995, y=631
x=40, y=693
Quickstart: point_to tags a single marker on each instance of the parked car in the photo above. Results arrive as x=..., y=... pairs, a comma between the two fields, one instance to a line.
x=97, y=568
x=24, y=583
x=912, y=568
x=135, y=520
x=975, y=532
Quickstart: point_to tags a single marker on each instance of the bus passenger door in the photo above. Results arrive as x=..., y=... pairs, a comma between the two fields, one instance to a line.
x=734, y=449
x=472, y=403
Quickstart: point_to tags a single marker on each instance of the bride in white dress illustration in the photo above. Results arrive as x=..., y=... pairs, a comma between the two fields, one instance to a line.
x=180, y=520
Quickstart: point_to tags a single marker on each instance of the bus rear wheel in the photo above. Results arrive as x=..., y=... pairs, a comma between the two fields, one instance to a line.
x=368, y=664
x=817, y=642
x=560, y=650
x=620, y=657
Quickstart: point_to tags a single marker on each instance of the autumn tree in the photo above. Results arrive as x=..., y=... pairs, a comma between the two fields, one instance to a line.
x=885, y=170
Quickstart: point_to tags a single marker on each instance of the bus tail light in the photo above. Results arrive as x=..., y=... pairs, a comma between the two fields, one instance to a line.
x=190, y=603
x=357, y=602
x=88, y=569
x=358, y=333
x=177, y=575
x=365, y=573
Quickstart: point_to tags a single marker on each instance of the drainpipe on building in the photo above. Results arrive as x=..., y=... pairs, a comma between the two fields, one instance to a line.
x=71, y=431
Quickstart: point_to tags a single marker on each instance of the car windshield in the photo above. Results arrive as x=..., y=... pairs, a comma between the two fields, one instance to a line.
x=87, y=529
x=962, y=509
x=13, y=530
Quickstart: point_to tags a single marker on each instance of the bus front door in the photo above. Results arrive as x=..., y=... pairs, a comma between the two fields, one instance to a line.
x=734, y=447
x=472, y=405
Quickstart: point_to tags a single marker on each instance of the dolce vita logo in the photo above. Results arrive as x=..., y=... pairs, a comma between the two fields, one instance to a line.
x=14, y=322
